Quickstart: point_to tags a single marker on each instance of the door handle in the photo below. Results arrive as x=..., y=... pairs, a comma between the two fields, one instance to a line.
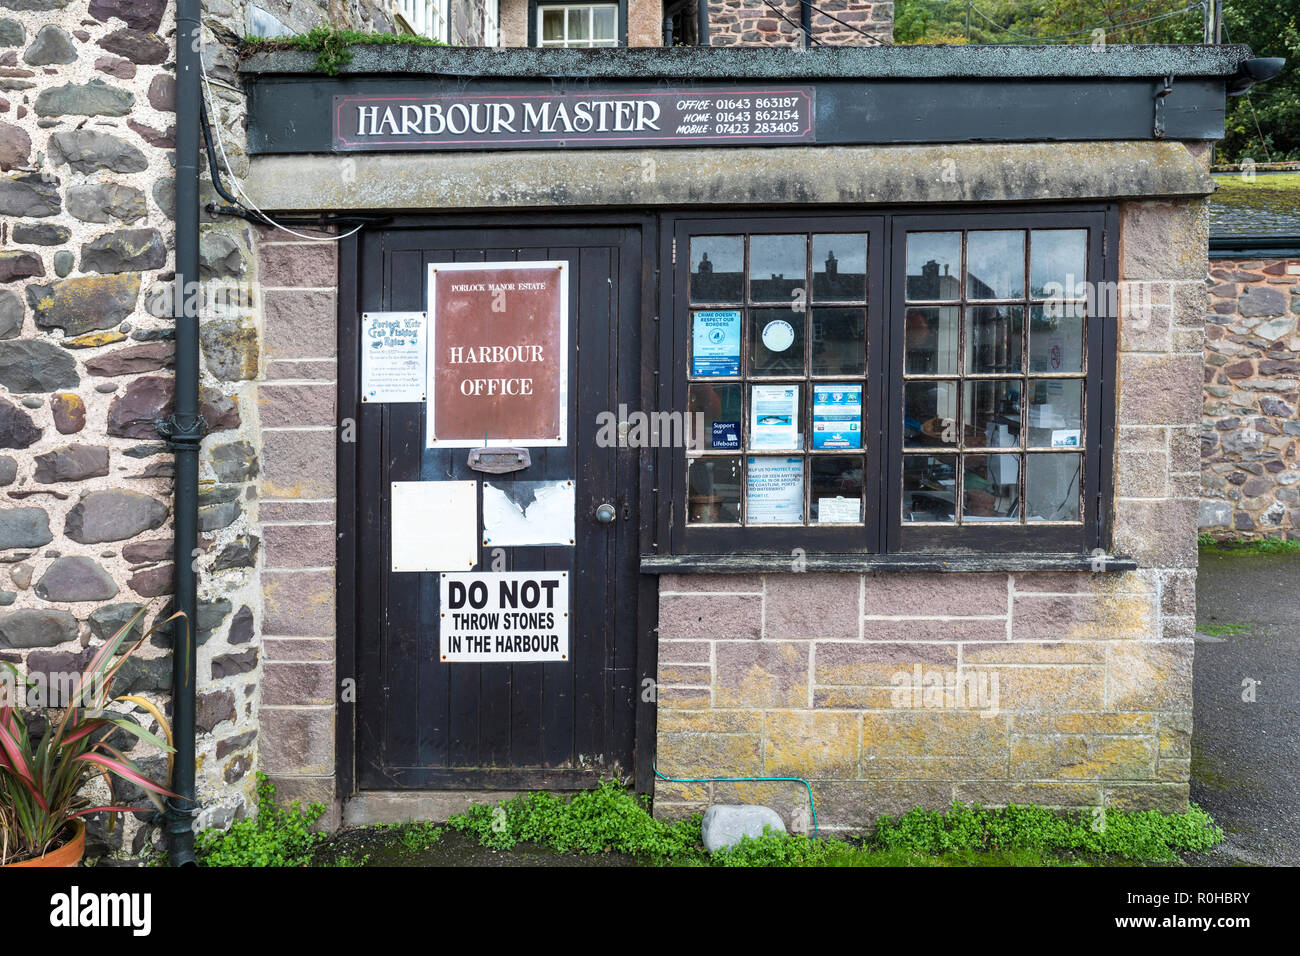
x=605, y=513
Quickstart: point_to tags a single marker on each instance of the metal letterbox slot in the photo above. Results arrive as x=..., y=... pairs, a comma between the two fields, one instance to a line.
x=499, y=461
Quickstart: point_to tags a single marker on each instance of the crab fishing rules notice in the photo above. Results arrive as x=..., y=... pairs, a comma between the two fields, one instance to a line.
x=504, y=616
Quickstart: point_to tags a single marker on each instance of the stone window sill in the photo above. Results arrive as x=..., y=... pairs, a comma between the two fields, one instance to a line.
x=858, y=563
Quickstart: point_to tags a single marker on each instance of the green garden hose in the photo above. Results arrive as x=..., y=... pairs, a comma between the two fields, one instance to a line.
x=811, y=807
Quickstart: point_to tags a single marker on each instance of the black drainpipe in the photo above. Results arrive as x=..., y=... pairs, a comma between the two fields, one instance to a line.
x=184, y=431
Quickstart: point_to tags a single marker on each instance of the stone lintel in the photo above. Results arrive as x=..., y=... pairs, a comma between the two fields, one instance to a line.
x=767, y=177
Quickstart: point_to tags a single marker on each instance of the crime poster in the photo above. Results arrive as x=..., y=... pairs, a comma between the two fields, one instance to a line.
x=498, y=354
x=503, y=616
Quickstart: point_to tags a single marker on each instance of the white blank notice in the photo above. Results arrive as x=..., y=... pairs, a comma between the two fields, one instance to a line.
x=434, y=525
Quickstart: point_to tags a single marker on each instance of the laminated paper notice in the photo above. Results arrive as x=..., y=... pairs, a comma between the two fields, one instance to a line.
x=392, y=356
x=839, y=510
x=774, y=416
x=774, y=491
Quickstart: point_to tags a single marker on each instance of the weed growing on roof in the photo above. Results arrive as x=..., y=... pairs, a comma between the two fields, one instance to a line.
x=331, y=45
x=1231, y=546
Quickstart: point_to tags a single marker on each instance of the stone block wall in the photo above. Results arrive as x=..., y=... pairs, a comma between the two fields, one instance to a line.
x=1251, y=430
x=834, y=23
x=887, y=691
x=297, y=412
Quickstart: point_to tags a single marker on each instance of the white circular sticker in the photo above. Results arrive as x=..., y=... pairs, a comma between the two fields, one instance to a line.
x=778, y=335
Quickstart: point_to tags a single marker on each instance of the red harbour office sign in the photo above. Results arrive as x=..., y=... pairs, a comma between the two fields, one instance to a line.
x=498, y=354
x=574, y=119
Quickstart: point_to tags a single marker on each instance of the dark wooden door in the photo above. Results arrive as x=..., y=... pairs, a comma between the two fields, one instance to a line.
x=423, y=723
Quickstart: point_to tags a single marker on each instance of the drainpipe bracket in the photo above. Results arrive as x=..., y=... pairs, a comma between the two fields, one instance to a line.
x=178, y=435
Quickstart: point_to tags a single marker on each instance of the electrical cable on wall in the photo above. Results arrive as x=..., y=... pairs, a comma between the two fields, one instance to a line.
x=234, y=180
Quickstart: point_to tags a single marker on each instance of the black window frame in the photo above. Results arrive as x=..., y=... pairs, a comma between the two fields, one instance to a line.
x=883, y=532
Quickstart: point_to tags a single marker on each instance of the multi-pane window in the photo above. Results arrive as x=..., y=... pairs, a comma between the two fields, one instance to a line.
x=776, y=374
x=577, y=25
x=920, y=381
x=994, y=368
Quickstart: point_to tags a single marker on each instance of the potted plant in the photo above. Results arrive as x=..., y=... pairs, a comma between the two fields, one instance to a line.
x=44, y=767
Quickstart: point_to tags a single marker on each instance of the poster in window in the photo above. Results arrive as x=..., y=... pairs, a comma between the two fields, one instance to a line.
x=774, y=491
x=774, y=416
x=498, y=354
x=837, y=416
x=715, y=342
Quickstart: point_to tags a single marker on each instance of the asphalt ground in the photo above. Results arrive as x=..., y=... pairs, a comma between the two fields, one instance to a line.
x=1246, y=755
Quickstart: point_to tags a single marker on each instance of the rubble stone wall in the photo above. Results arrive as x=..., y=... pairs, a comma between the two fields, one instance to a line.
x=87, y=259
x=1250, y=433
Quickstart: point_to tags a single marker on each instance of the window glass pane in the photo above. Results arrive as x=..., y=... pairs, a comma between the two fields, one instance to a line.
x=1059, y=257
x=1052, y=487
x=840, y=267
x=930, y=413
x=605, y=23
x=720, y=407
x=995, y=264
x=931, y=341
x=552, y=23
x=713, y=491
x=929, y=483
x=1056, y=337
x=775, y=419
x=933, y=265
x=777, y=268
x=774, y=491
x=993, y=413
x=994, y=338
x=579, y=23
x=717, y=268
x=836, y=490
x=839, y=343
x=776, y=341
x=991, y=488
x=1056, y=413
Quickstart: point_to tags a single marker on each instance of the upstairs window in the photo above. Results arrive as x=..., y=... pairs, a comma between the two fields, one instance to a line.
x=582, y=25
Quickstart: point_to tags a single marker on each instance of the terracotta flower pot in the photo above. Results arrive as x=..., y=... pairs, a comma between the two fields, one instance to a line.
x=69, y=854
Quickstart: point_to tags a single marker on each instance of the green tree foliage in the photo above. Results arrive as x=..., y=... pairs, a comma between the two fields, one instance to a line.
x=1263, y=125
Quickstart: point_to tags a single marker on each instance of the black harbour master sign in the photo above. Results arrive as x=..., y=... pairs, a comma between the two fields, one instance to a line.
x=574, y=119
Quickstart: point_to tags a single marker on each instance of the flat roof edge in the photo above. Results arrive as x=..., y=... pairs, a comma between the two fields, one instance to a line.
x=742, y=63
